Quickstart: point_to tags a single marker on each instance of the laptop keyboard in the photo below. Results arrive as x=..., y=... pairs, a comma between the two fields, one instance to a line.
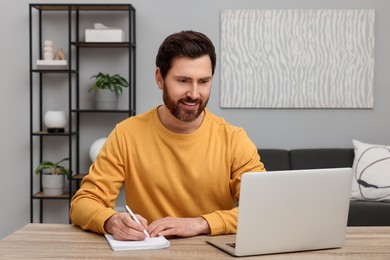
x=231, y=245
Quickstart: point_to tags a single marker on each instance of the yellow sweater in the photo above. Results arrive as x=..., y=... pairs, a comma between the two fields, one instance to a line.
x=168, y=174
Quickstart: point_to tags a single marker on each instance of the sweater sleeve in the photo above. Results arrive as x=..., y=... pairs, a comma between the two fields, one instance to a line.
x=222, y=222
x=244, y=158
x=95, y=201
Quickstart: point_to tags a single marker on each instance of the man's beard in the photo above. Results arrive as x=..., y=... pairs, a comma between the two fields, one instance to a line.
x=180, y=113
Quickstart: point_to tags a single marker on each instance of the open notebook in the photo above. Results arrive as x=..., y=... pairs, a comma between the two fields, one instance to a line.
x=149, y=243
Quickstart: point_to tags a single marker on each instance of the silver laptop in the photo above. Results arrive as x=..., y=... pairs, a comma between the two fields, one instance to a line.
x=287, y=211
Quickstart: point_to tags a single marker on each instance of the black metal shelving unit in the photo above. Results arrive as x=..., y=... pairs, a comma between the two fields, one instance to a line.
x=75, y=46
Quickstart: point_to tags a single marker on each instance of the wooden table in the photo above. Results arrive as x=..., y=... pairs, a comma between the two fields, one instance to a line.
x=62, y=241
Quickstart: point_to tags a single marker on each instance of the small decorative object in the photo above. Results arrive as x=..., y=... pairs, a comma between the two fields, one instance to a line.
x=96, y=147
x=51, y=61
x=59, y=55
x=108, y=88
x=99, y=26
x=53, y=181
x=48, y=50
x=102, y=33
x=55, y=121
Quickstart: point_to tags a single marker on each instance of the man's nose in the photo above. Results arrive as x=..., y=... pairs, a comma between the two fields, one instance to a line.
x=193, y=91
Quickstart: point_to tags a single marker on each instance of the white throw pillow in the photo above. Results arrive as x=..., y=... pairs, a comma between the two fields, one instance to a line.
x=371, y=169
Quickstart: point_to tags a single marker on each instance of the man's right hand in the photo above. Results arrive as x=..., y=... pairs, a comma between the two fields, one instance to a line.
x=123, y=227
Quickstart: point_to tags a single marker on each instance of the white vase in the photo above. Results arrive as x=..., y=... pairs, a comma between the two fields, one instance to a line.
x=95, y=148
x=106, y=99
x=55, y=121
x=53, y=185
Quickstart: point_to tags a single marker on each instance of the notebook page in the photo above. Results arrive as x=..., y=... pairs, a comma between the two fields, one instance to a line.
x=149, y=243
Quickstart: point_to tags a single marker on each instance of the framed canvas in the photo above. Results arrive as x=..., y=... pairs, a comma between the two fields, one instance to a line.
x=297, y=58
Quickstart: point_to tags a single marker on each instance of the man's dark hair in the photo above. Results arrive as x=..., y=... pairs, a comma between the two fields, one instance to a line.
x=184, y=44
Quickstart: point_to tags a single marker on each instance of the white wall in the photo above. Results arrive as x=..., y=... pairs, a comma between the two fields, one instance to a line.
x=269, y=128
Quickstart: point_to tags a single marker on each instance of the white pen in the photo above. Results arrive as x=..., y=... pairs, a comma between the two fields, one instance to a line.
x=136, y=219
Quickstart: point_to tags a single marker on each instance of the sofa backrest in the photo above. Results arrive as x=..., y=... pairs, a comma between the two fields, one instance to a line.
x=280, y=159
x=321, y=158
x=275, y=159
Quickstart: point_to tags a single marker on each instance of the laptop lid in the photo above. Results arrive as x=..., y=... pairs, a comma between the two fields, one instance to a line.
x=285, y=211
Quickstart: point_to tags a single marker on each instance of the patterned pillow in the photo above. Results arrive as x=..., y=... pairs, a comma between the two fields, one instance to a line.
x=371, y=168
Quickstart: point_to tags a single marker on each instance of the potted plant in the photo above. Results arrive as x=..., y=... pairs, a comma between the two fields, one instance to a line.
x=53, y=181
x=108, y=88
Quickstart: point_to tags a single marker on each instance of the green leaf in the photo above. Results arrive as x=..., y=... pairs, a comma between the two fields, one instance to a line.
x=114, y=83
x=54, y=167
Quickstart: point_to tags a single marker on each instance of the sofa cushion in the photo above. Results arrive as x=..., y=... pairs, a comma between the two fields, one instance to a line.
x=321, y=158
x=369, y=213
x=275, y=159
x=371, y=172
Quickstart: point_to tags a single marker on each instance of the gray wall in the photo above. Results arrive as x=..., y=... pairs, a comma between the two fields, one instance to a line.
x=269, y=128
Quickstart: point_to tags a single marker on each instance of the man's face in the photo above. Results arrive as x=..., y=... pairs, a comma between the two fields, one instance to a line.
x=187, y=86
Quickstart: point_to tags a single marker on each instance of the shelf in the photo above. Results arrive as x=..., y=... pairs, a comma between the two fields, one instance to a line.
x=41, y=195
x=53, y=71
x=79, y=177
x=83, y=7
x=72, y=75
x=45, y=133
x=104, y=44
x=103, y=111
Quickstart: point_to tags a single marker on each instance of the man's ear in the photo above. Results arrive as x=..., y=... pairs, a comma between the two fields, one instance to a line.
x=159, y=78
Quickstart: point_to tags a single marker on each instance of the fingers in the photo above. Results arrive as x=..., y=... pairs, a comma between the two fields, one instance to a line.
x=123, y=227
x=184, y=227
x=163, y=227
x=143, y=221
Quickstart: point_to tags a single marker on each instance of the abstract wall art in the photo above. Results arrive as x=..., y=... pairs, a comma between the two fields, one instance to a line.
x=297, y=58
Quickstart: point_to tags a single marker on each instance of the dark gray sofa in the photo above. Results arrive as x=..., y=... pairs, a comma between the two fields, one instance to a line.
x=361, y=213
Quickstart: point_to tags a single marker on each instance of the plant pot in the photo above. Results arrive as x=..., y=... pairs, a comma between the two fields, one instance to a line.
x=55, y=121
x=106, y=99
x=53, y=185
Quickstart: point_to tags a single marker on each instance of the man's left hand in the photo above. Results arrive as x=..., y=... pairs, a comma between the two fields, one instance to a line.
x=183, y=227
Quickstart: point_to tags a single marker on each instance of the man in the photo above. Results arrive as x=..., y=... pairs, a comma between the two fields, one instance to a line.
x=180, y=164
